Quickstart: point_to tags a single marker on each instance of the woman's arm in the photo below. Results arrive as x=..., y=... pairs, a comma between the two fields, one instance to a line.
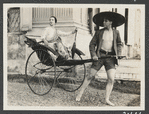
x=61, y=33
x=43, y=37
x=45, y=42
x=44, y=33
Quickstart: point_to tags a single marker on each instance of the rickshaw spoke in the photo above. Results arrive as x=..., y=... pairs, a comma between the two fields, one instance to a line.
x=40, y=54
x=59, y=74
x=44, y=81
x=46, y=60
x=31, y=78
x=40, y=83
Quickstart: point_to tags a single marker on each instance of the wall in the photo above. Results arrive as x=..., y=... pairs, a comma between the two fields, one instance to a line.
x=16, y=48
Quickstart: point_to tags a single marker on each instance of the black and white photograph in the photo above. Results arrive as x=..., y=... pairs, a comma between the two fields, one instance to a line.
x=56, y=57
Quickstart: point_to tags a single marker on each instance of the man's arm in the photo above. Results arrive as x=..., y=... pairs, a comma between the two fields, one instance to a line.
x=119, y=44
x=92, y=46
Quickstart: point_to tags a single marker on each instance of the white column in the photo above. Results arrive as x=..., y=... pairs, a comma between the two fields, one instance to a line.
x=131, y=25
x=121, y=30
x=25, y=19
x=85, y=16
x=137, y=34
x=137, y=26
x=77, y=15
x=131, y=30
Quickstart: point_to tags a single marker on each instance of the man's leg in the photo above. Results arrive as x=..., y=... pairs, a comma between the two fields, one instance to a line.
x=110, y=83
x=86, y=83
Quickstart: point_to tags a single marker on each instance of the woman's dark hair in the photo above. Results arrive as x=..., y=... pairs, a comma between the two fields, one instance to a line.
x=54, y=18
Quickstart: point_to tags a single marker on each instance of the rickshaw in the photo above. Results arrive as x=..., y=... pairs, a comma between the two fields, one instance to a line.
x=42, y=71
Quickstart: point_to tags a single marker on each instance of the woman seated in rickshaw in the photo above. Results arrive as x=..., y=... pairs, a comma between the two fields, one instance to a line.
x=51, y=38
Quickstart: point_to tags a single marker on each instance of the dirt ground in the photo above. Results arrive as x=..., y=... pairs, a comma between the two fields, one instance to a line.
x=126, y=94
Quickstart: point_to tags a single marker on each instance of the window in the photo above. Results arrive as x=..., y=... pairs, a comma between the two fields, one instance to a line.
x=13, y=20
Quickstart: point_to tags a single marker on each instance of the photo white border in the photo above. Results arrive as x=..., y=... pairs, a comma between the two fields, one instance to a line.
x=89, y=108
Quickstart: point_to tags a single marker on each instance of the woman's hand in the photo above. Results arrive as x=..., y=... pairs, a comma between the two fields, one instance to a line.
x=45, y=42
x=74, y=31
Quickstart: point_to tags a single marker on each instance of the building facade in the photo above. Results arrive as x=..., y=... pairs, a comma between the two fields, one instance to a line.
x=35, y=19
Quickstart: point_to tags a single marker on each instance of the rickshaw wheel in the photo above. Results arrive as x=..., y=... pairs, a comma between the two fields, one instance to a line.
x=71, y=78
x=40, y=72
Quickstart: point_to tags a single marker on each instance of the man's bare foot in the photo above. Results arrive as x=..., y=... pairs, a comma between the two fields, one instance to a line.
x=78, y=98
x=109, y=103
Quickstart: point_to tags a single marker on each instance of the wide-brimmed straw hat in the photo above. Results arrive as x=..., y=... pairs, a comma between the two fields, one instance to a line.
x=117, y=19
